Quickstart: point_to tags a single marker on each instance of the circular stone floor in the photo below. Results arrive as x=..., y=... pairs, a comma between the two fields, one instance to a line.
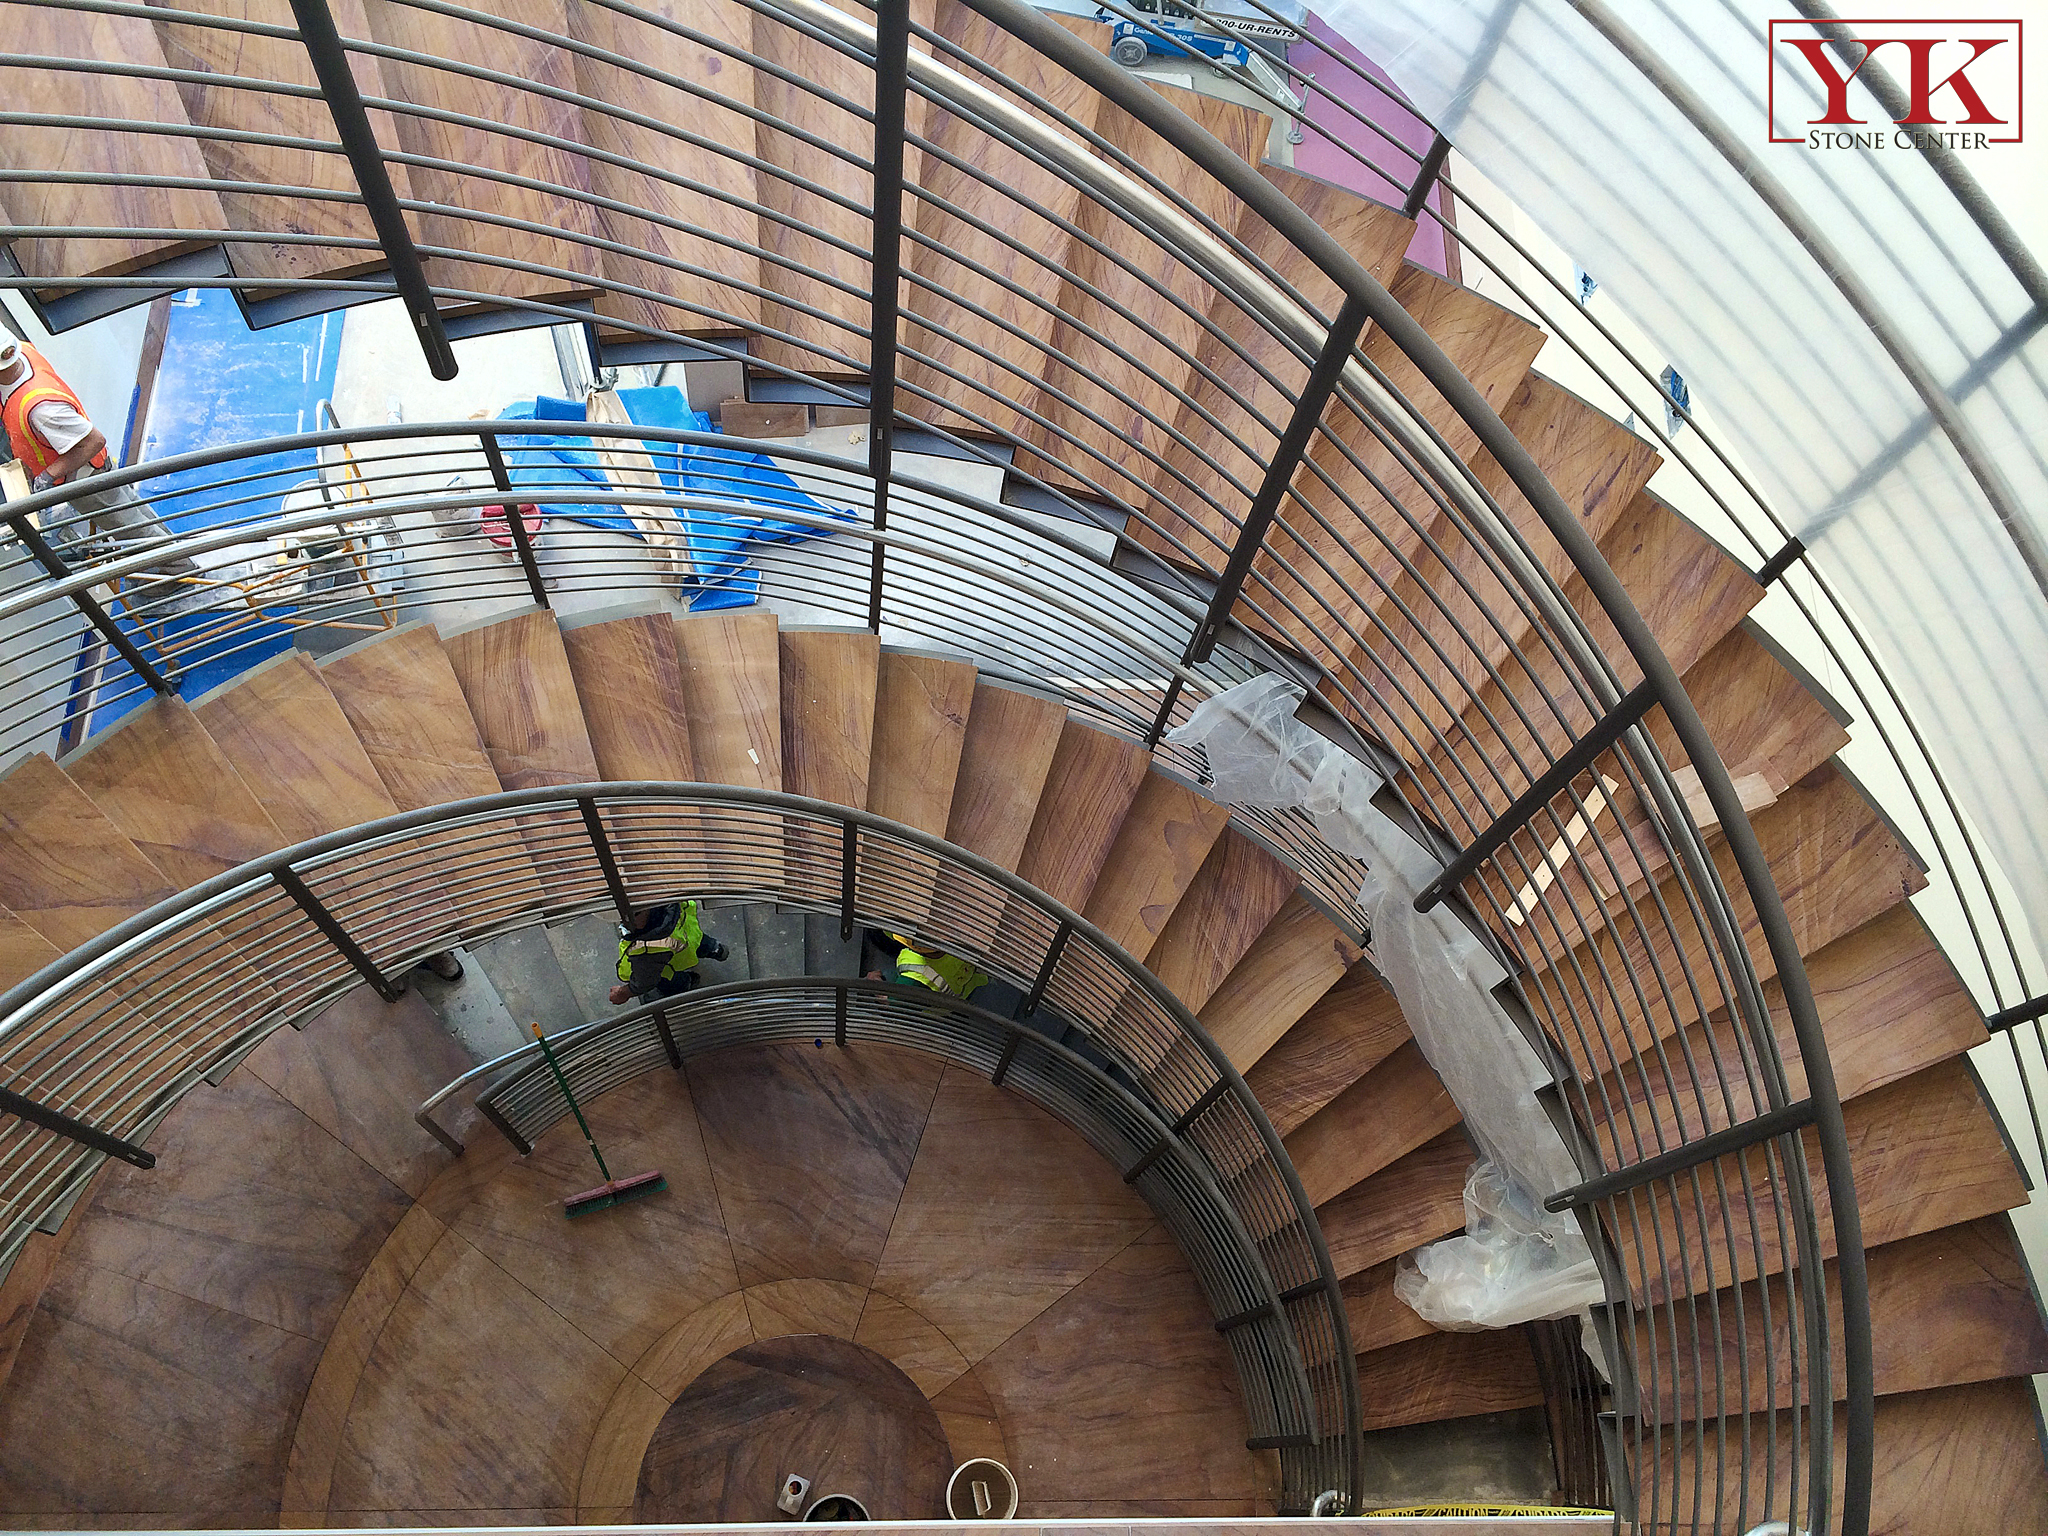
x=822, y=1408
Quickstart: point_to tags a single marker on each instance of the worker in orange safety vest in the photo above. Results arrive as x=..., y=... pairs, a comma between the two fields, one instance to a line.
x=57, y=444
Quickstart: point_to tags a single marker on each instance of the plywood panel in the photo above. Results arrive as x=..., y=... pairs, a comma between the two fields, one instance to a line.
x=1385, y=1115
x=65, y=869
x=1236, y=419
x=732, y=695
x=1089, y=787
x=1239, y=889
x=1493, y=348
x=288, y=739
x=921, y=709
x=1295, y=961
x=1014, y=190
x=684, y=224
x=217, y=50
x=1165, y=837
x=629, y=682
x=1946, y=1307
x=36, y=30
x=1416, y=1200
x=442, y=37
x=1448, y=1376
x=829, y=729
x=1012, y=738
x=1347, y=1033
x=515, y=675
x=1123, y=395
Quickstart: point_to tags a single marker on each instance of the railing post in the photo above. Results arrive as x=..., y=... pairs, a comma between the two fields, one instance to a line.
x=1046, y=967
x=88, y=606
x=515, y=525
x=1425, y=177
x=1301, y=427
x=601, y=845
x=77, y=1130
x=288, y=879
x=848, y=843
x=366, y=158
x=892, y=85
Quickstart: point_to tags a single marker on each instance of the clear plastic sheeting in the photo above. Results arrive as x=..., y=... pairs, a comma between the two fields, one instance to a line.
x=1516, y=1262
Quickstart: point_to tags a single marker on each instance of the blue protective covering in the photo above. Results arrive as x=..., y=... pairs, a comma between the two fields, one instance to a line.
x=717, y=539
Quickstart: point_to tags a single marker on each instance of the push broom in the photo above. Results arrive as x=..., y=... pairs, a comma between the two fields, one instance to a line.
x=612, y=1191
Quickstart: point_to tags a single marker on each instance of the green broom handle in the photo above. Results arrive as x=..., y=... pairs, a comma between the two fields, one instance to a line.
x=574, y=1108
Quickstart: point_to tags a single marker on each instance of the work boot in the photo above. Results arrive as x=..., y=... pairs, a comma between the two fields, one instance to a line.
x=712, y=949
x=443, y=965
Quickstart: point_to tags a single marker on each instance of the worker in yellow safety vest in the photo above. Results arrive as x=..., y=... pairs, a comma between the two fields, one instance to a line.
x=57, y=444
x=659, y=951
x=934, y=969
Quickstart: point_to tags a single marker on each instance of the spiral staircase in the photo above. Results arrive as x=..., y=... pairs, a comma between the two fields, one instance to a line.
x=1311, y=456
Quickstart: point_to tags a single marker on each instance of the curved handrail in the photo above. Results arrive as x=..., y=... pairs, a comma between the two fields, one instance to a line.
x=600, y=826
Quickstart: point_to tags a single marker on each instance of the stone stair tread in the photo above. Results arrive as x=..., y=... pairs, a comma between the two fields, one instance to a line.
x=732, y=696
x=1389, y=1112
x=283, y=731
x=1092, y=781
x=825, y=953
x=775, y=942
x=1160, y=847
x=1238, y=890
x=531, y=983
x=726, y=921
x=920, y=712
x=161, y=779
x=66, y=870
x=829, y=683
x=1005, y=759
x=1448, y=1376
x=1345, y=1034
x=629, y=681
x=1414, y=1200
x=515, y=675
x=471, y=1010
x=1298, y=957
x=587, y=949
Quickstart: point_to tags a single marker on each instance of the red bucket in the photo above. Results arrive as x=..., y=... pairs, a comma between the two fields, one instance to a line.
x=497, y=523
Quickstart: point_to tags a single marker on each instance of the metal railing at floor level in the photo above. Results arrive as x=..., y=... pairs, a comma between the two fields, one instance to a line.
x=103, y=1043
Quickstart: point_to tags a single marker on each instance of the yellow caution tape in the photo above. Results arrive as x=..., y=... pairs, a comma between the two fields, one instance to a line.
x=1527, y=1511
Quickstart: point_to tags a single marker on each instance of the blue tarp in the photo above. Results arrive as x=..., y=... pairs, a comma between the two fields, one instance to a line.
x=716, y=539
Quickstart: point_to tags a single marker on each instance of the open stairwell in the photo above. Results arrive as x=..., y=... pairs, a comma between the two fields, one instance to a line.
x=405, y=719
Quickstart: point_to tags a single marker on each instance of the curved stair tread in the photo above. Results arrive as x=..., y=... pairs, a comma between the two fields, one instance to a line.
x=23, y=951
x=1392, y=1110
x=696, y=215
x=161, y=779
x=1447, y=1376
x=440, y=36
x=1375, y=1315
x=1414, y=1200
x=1690, y=592
x=1220, y=915
x=1246, y=405
x=1093, y=779
x=285, y=734
x=629, y=684
x=732, y=696
x=1160, y=847
x=215, y=50
x=1299, y=956
x=1099, y=378
x=1963, y=1460
x=114, y=40
x=1946, y=1307
x=1488, y=343
x=1596, y=465
x=1926, y=1152
x=920, y=727
x=1021, y=186
x=830, y=682
x=515, y=675
x=1005, y=762
x=401, y=696
x=1349, y=1030
x=66, y=870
